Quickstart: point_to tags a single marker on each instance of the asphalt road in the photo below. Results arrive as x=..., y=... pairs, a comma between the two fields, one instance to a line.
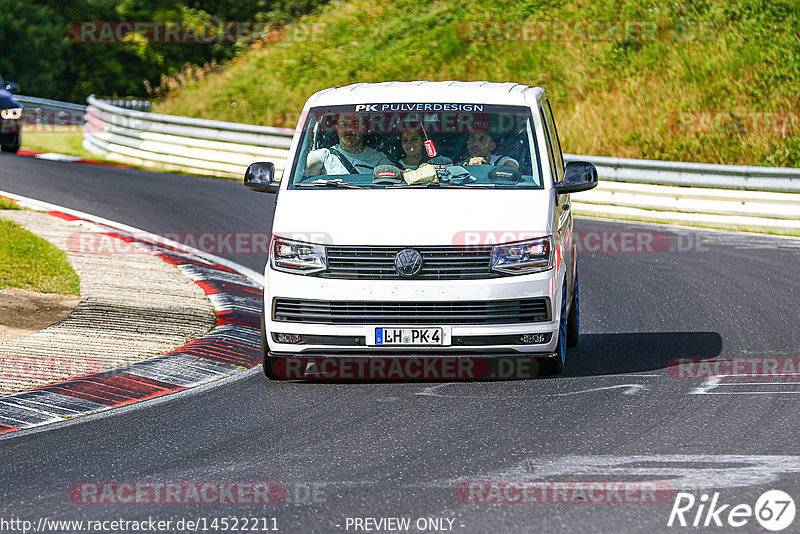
x=160, y=203
x=620, y=413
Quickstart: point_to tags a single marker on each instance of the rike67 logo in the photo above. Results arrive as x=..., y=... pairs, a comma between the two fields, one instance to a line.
x=774, y=511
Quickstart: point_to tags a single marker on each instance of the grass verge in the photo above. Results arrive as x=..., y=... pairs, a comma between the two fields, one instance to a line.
x=8, y=204
x=713, y=81
x=66, y=140
x=58, y=139
x=30, y=262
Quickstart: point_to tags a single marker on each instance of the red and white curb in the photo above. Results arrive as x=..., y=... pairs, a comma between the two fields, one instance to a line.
x=234, y=344
x=53, y=156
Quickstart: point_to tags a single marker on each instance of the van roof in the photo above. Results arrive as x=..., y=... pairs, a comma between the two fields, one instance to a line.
x=423, y=91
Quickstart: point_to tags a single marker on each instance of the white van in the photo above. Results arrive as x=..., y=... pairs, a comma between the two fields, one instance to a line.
x=421, y=221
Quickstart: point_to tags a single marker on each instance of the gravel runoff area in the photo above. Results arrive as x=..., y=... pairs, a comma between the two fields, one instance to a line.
x=133, y=306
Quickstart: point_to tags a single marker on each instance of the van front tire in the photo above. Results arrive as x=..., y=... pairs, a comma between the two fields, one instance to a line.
x=555, y=364
x=10, y=143
x=574, y=319
x=266, y=359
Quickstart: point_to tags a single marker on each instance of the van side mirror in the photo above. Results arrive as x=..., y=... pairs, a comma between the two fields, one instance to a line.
x=11, y=87
x=578, y=176
x=260, y=177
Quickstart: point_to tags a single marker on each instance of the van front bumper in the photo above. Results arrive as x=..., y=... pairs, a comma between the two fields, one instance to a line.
x=321, y=338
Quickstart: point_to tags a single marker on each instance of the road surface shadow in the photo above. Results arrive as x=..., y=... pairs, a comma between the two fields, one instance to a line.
x=607, y=354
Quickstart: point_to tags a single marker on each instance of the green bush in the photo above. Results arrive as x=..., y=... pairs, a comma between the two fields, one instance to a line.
x=625, y=94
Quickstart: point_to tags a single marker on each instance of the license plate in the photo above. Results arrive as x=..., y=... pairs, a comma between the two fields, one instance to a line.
x=409, y=336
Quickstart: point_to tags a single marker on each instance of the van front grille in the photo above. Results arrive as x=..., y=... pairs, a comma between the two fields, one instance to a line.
x=411, y=313
x=438, y=263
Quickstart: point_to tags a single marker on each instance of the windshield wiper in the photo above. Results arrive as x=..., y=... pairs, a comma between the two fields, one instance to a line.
x=332, y=183
x=434, y=185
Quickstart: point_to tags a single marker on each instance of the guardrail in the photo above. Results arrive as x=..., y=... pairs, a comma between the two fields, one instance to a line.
x=51, y=112
x=750, y=211
x=181, y=143
x=732, y=197
x=694, y=174
x=130, y=103
x=761, y=199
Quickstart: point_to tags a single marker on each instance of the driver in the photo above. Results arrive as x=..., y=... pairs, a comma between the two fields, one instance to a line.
x=350, y=155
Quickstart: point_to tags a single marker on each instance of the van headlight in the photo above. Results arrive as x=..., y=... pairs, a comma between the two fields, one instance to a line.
x=524, y=257
x=298, y=257
x=11, y=113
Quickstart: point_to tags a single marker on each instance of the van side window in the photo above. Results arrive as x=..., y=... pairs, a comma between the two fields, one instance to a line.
x=553, y=135
x=550, y=151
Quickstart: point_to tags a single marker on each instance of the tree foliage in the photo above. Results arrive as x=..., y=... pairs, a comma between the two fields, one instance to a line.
x=41, y=54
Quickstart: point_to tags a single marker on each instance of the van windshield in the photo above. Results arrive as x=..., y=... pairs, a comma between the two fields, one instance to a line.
x=417, y=145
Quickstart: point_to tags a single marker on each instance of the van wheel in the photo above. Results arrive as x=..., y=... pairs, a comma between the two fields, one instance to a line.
x=555, y=364
x=574, y=319
x=11, y=144
x=266, y=360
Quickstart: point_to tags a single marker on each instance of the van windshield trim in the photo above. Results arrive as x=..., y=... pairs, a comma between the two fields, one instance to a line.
x=447, y=130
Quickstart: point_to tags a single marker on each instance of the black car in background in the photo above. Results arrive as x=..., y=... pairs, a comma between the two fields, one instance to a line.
x=10, y=117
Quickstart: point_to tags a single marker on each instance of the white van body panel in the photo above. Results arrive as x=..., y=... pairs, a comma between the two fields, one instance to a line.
x=412, y=217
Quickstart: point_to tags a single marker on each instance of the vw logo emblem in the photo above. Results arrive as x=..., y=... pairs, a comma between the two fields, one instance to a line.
x=408, y=263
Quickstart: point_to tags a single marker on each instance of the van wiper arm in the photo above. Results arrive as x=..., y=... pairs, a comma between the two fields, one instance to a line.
x=332, y=183
x=432, y=185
